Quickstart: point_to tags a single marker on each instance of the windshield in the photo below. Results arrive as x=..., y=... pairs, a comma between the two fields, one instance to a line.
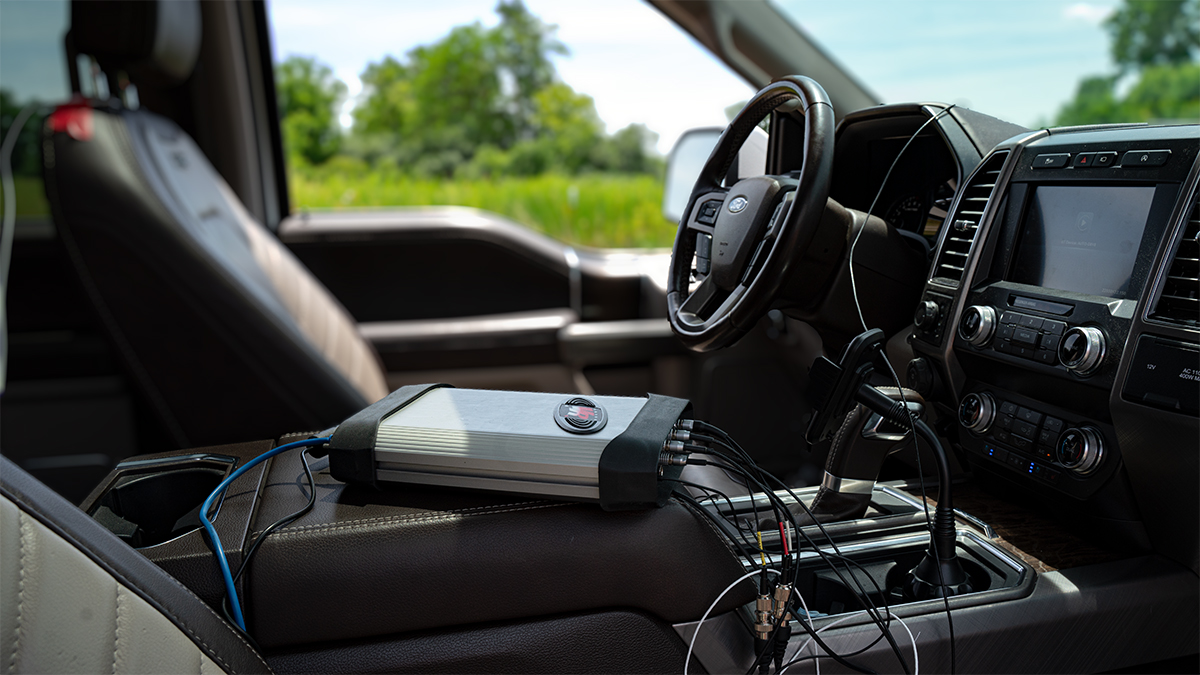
x=1031, y=62
x=559, y=114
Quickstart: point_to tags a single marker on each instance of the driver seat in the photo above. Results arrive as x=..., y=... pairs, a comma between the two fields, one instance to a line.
x=225, y=333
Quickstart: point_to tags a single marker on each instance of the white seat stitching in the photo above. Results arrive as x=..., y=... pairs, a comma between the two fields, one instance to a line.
x=24, y=529
x=116, y=630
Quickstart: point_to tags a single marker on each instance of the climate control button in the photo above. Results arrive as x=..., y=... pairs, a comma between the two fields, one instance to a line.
x=976, y=412
x=1080, y=450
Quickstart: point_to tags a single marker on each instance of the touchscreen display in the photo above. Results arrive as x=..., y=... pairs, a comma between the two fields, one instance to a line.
x=1082, y=239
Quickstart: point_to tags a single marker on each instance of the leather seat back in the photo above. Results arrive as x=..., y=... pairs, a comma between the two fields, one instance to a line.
x=75, y=599
x=223, y=330
x=227, y=334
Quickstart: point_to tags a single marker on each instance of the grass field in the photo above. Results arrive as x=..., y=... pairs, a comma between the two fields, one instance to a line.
x=601, y=210
x=31, y=199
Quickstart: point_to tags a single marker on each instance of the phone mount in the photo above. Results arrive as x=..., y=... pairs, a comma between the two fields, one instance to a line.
x=834, y=389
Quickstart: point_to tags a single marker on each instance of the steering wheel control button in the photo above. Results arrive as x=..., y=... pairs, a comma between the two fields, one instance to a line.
x=1140, y=158
x=976, y=412
x=579, y=415
x=1105, y=159
x=1080, y=450
x=1084, y=160
x=1053, y=161
x=1082, y=349
x=708, y=212
x=977, y=325
x=703, y=253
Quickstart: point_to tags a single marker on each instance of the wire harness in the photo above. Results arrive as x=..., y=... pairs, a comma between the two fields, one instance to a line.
x=215, y=540
x=778, y=606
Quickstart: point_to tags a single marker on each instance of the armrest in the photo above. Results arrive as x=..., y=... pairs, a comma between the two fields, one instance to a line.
x=432, y=343
x=365, y=563
x=609, y=342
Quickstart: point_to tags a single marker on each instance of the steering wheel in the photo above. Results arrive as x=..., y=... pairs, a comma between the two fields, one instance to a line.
x=753, y=232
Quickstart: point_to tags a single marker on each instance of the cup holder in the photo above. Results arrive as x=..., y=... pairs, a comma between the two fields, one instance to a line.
x=152, y=501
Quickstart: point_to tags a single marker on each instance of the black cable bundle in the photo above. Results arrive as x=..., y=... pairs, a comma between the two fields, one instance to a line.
x=706, y=439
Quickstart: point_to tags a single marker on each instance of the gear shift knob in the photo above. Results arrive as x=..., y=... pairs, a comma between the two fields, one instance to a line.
x=859, y=448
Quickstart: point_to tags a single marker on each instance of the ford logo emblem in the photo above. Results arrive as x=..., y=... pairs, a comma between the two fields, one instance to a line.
x=738, y=205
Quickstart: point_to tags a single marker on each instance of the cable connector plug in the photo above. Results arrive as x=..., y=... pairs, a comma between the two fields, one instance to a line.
x=783, y=593
x=764, y=613
x=672, y=459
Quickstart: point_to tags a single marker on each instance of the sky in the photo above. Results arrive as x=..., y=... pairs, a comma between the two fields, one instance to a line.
x=1019, y=60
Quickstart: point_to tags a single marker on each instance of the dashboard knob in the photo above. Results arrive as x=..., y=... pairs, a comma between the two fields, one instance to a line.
x=1080, y=449
x=976, y=412
x=920, y=376
x=977, y=324
x=1082, y=349
x=926, y=316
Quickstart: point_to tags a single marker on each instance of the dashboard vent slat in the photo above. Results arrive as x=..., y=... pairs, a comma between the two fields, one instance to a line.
x=1180, y=299
x=956, y=246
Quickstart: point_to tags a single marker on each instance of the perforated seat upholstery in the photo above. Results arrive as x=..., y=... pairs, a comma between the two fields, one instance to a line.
x=75, y=599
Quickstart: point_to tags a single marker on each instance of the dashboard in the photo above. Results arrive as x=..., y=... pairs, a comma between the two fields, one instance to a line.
x=1058, y=328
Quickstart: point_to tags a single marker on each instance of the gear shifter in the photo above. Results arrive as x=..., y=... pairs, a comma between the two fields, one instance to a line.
x=833, y=390
x=859, y=449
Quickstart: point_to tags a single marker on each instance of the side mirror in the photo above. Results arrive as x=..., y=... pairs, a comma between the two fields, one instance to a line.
x=690, y=153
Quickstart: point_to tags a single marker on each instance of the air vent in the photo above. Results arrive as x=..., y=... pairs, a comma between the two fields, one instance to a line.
x=964, y=223
x=1179, y=302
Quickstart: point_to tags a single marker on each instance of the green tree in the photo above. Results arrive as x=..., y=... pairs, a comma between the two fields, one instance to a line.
x=1153, y=41
x=1154, y=32
x=1095, y=102
x=523, y=45
x=308, y=96
x=390, y=101
x=485, y=102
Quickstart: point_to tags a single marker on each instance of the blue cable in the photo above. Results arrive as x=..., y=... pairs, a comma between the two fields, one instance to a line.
x=212, y=532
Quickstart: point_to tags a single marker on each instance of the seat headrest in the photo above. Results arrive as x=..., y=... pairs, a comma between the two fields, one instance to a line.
x=154, y=41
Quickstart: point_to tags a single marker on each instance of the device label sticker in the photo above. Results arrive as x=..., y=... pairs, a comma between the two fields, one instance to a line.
x=580, y=416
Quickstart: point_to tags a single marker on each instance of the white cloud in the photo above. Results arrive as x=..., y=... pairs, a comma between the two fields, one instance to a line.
x=1087, y=12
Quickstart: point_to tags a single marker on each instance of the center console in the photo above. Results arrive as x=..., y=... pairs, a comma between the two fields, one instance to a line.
x=1062, y=299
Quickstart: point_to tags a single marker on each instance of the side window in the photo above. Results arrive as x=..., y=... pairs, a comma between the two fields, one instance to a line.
x=33, y=71
x=555, y=115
